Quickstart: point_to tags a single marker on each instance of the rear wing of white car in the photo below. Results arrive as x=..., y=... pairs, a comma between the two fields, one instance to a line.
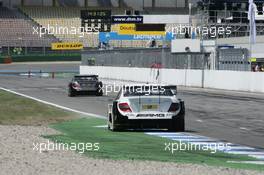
x=173, y=88
x=132, y=88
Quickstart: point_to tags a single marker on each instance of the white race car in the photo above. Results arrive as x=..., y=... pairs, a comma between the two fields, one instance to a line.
x=147, y=107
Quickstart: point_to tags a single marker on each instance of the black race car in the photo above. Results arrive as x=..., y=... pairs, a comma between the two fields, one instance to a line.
x=85, y=84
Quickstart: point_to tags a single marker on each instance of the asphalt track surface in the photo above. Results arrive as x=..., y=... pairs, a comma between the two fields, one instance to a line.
x=230, y=116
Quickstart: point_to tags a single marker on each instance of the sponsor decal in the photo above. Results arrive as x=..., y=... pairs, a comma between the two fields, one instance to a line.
x=130, y=29
x=127, y=19
x=106, y=36
x=151, y=115
x=253, y=60
x=67, y=46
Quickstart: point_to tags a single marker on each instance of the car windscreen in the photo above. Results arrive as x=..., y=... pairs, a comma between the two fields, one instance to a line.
x=85, y=78
x=147, y=91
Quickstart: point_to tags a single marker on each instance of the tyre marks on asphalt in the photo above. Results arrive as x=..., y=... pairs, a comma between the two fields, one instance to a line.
x=198, y=140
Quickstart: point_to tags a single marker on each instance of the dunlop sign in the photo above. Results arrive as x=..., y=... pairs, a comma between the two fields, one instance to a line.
x=66, y=46
x=130, y=29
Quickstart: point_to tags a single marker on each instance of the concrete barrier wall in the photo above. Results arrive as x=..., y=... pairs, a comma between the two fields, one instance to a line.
x=182, y=77
x=120, y=73
x=232, y=80
x=228, y=80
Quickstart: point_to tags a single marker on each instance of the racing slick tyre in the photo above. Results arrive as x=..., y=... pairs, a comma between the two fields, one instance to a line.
x=99, y=91
x=111, y=123
x=114, y=119
x=178, y=123
x=71, y=92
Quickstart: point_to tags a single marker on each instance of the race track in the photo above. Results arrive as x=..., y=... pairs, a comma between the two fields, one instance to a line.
x=230, y=116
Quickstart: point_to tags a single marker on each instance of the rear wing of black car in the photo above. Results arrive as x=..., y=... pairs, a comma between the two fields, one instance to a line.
x=86, y=76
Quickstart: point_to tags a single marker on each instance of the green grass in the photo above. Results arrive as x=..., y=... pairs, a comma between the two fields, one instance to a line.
x=22, y=111
x=137, y=145
x=113, y=145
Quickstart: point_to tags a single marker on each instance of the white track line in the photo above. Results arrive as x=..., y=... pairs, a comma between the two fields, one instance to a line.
x=241, y=148
x=258, y=157
x=246, y=152
x=192, y=139
x=101, y=126
x=182, y=136
x=53, y=104
x=202, y=140
x=167, y=133
x=248, y=162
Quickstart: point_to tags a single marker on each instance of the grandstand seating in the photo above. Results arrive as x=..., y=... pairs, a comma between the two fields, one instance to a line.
x=17, y=30
x=61, y=17
x=114, y=3
x=165, y=10
x=138, y=5
x=17, y=26
x=133, y=4
x=70, y=17
x=105, y=3
x=68, y=3
x=93, y=3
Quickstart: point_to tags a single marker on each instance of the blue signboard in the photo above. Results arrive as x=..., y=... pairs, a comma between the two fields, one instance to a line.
x=107, y=36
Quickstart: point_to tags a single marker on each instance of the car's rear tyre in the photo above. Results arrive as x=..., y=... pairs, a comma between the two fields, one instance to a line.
x=178, y=123
x=71, y=92
x=99, y=93
x=115, y=119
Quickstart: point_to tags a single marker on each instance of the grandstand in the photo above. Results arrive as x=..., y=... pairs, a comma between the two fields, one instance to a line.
x=19, y=17
x=16, y=30
x=134, y=4
x=65, y=17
